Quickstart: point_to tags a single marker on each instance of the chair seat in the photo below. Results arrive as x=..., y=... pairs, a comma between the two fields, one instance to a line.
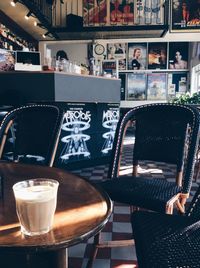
x=149, y=193
x=166, y=241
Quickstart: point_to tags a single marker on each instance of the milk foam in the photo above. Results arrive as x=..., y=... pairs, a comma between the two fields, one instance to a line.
x=36, y=193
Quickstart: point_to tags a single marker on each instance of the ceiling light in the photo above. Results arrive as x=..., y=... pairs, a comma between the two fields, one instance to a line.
x=13, y=2
x=28, y=15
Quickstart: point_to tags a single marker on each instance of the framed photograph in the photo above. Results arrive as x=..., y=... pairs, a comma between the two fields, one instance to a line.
x=185, y=16
x=121, y=12
x=156, y=86
x=136, y=86
x=137, y=55
x=178, y=55
x=7, y=60
x=149, y=12
x=157, y=55
x=117, y=51
x=94, y=12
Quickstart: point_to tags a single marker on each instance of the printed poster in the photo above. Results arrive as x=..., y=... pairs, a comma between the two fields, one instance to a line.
x=157, y=55
x=149, y=12
x=185, y=15
x=178, y=55
x=137, y=55
x=156, y=86
x=117, y=51
x=136, y=86
x=121, y=12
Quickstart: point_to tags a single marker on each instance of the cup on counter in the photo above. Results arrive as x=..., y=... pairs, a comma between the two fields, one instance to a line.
x=36, y=202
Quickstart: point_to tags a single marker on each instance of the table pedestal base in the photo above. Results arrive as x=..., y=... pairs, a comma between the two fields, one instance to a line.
x=50, y=259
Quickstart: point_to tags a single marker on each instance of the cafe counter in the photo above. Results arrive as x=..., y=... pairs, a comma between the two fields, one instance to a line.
x=91, y=107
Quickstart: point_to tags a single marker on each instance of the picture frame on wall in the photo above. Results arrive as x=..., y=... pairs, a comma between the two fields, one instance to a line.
x=149, y=12
x=117, y=51
x=136, y=86
x=157, y=55
x=185, y=16
x=94, y=12
x=137, y=56
x=121, y=12
x=178, y=55
x=110, y=68
x=156, y=86
x=178, y=81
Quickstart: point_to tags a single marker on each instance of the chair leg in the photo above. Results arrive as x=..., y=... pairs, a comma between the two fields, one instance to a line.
x=94, y=251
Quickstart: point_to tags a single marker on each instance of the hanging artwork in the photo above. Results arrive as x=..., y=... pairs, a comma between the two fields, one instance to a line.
x=137, y=54
x=149, y=12
x=117, y=51
x=94, y=12
x=178, y=55
x=185, y=15
x=136, y=86
x=156, y=86
x=157, y=55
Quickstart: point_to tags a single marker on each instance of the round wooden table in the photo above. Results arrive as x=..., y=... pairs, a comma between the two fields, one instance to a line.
x=82, y=211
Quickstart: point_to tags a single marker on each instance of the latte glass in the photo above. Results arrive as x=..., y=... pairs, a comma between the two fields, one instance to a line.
x=36, y=204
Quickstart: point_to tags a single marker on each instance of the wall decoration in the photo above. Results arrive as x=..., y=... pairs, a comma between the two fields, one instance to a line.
x=121, y=12
x=149, y=12
x=178, y=55
x=156, y=86
x=110, y=68
x=136, y=86
x=117, y=51
x=94, y=12
x=179, y=82
x=7, y=60
x=185, y=15
x=137, y=54
x=157, y=55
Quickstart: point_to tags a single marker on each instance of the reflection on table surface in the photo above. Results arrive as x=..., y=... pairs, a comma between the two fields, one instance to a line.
x=82, y=211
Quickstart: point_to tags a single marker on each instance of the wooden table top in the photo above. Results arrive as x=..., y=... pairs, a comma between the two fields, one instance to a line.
x=82, y=209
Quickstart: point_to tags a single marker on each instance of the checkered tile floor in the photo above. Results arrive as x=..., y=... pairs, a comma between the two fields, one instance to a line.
x=118, y=226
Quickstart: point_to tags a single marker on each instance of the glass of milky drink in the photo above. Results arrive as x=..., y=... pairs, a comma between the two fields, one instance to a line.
x=36, y=204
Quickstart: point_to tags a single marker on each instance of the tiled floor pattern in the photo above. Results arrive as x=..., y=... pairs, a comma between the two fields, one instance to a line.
x=118, y=226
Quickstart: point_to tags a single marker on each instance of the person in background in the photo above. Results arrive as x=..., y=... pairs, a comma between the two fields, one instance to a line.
x=61, y=54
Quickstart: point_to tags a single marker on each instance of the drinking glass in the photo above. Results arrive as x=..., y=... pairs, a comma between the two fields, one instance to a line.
x=36, y=201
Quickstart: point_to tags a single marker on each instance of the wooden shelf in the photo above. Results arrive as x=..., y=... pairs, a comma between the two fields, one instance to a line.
x=111, y=32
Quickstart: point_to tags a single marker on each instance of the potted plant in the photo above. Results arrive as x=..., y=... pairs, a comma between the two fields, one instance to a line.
x=187, y=98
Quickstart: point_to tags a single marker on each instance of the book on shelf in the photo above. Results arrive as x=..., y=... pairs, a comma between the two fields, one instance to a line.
x=136, y=86
x=149, y=12
x=156, y=86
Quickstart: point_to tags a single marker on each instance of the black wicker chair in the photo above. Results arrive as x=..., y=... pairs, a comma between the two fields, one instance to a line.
x=164, y=133
x=168, y=241
x=31, y=134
